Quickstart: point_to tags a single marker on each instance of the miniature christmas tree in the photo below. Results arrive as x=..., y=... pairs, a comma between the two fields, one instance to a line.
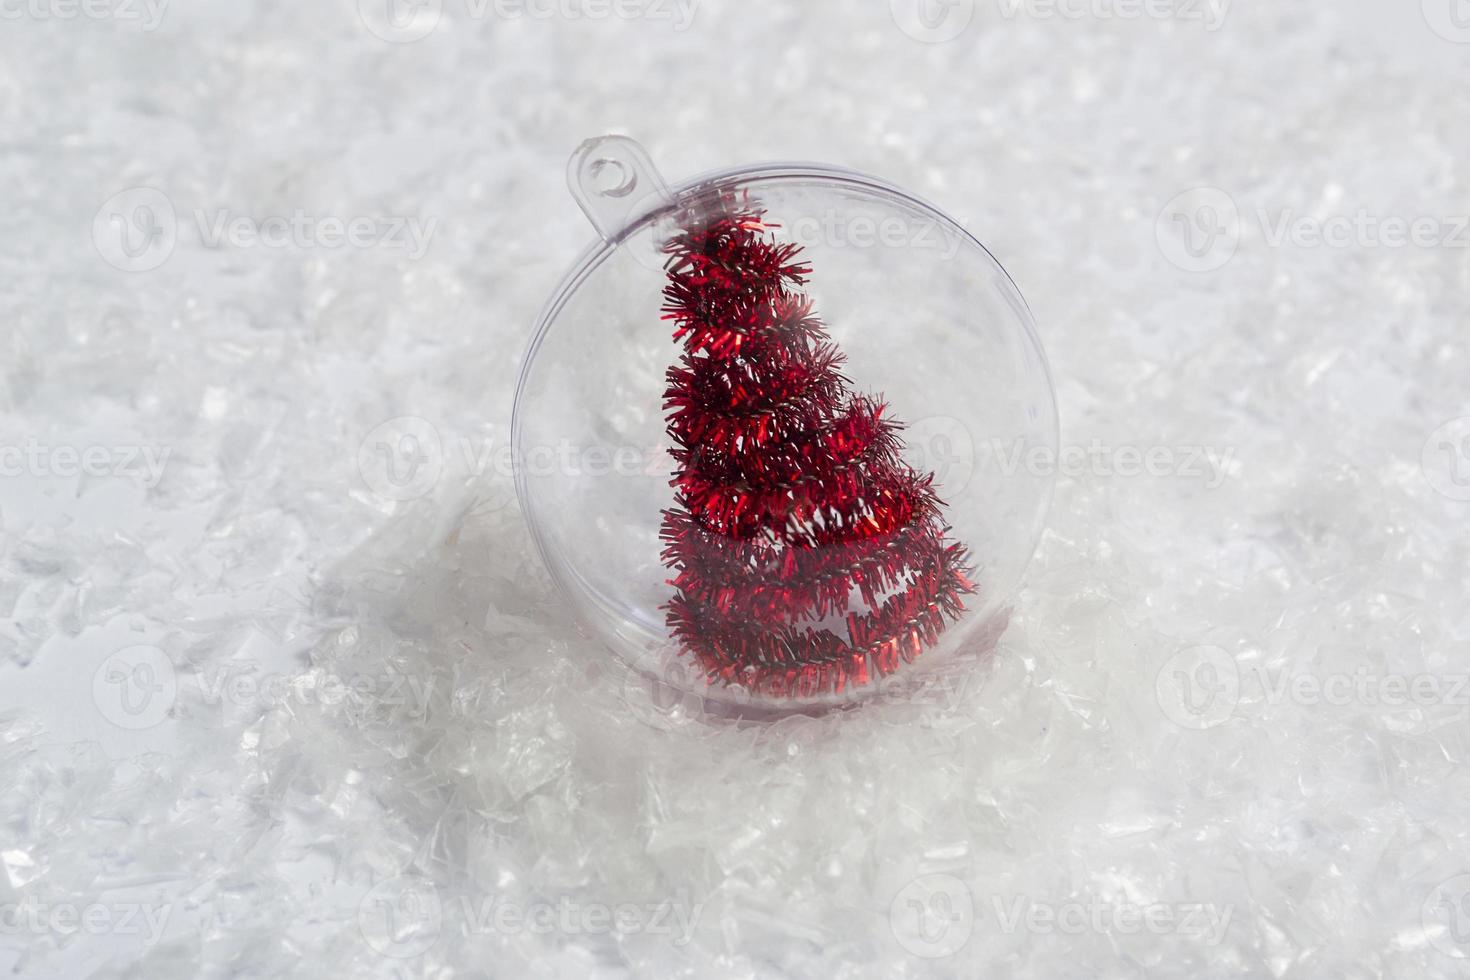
x=808, y=555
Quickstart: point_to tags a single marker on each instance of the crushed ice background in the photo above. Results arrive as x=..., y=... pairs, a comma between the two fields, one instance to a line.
x=284, y=834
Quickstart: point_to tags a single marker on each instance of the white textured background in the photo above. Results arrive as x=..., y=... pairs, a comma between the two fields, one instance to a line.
x=1226, y=735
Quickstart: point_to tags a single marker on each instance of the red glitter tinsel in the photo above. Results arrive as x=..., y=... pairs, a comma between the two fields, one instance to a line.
x=795, y=519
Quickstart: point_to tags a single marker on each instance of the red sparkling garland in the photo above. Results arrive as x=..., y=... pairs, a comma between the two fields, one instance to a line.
x=790, y=495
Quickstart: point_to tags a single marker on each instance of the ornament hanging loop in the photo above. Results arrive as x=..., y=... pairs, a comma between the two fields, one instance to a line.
x=615, y=182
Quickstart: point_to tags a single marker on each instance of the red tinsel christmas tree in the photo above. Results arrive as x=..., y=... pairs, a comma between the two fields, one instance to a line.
x=809, y=556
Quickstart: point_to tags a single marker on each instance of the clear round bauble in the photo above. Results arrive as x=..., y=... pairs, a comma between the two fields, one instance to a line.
x=926, y=321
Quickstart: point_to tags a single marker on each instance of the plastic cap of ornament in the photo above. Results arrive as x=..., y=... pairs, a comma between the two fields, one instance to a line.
x=615, y=183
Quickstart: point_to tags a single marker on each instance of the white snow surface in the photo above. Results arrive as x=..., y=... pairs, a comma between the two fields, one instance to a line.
x=259, y=718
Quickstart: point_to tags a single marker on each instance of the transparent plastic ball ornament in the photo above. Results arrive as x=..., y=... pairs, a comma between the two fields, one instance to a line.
x=782, y=434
